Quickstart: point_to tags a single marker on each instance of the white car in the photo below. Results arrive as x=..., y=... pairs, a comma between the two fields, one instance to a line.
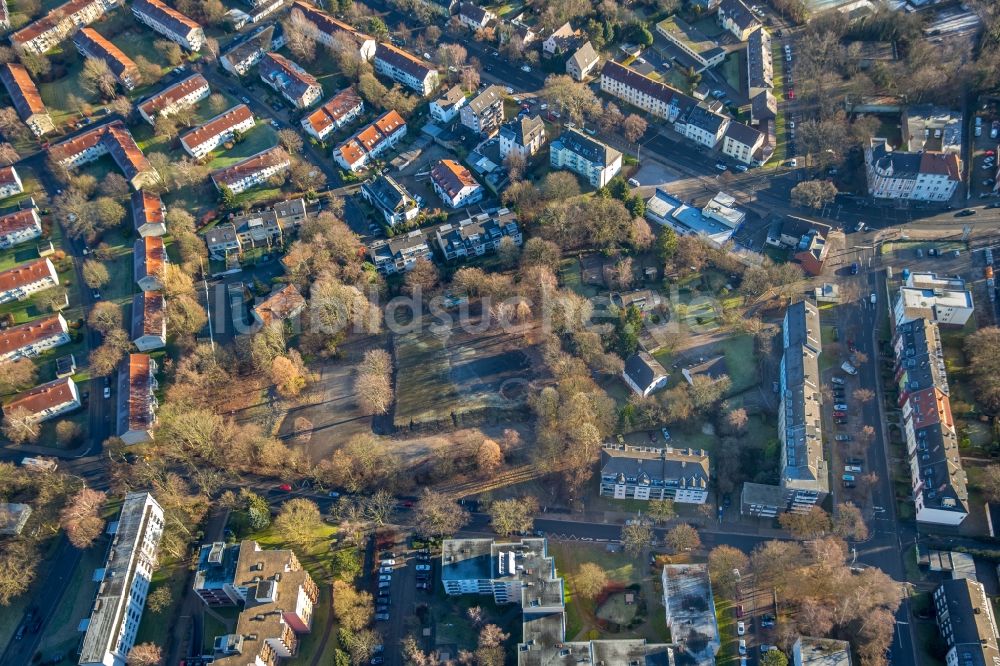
x=385, y=579
x=743, y=646
x=741, y=628
x=839, y=381
x=633, y=182
x=107, y=391
x=388, y=563
x=525, y=68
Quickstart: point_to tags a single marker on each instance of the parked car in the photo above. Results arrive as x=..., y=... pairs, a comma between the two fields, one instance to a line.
x=384, y=585
x=743, y=646
x=525, y=68
x=855, y=268
x=385, y=578
x=721, y=167
x=840, y=407
x=965, y=212
x=666, y=434
x=843, y=438
x=423, y=567
x=385, y=570
x=840, y=414
x=739, y=610
x=633, y=182
x=286, y=487
x=852, y=468
x=741, y=628
x=389, y=562
x=837, y=380
x=841, y=421
x=382, y=617
x=767, y=621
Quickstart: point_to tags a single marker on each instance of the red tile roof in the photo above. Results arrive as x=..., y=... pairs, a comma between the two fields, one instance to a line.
x=252, y=164
x=44, y=396
x=351, y=151
x=222, y=123
x=166, y=15
x=118, y=141
x=7, y=176
x=49, y=21
x=168, y=96
x=140, y=415
x=280, y=305
x=331, y=113
x=153, y=307
x=22, y=90
x=25, y=274
x=942, y=164
x=452, y=177
x=155, y=254
x=147, y=208
x=100, y=47
x=17, y=221
x=17, y=337
x=389, y=122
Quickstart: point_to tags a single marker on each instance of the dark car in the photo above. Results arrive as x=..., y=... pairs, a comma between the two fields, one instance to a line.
x=965, y=213
x=854, y=268
x=841, y=421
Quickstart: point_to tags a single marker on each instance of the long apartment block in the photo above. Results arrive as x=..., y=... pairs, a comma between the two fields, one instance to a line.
x=92, y=44
x=33, y=338
x=23, y=280
x=60, y=23
x=170, y=23
x=202, y=140
x=26, y=99
x=253, y=171
x=109, y=139
x=181, y=95
x=406, y=69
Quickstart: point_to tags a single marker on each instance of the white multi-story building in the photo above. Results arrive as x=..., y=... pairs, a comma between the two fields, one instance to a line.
x=650, y=473
x=253, y=171
x=10, y=182
x=342, y=109
x=705, y=52
x=588, y=157
x=524, y=136
x=478, y=235
x=921, y=176
x=124, y=586
x=942, y=300
x=967, y=623
x=393, y=200
x=741, y=142
x=20, y=282
x=26, y=99
x=240, y=59
x=170, y=23
x=408, y=70
x=20, y=226
x=736, y=17
x=358, y=152
x=92, y=44
x=33, y=338
x=484, y=113
x=202, y=140
x=447, y=106
x=174, y=98
x=703, y=126
x=59, y=23
x=137, y=399
x=294, y=83
x=640, y=91
x=45, y=401
x=109, y=139
x=690, y=609
x=455, y=184
x=330, y=32
x=399, y=253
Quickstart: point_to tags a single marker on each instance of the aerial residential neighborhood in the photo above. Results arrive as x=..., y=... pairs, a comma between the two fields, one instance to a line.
x=537, y=333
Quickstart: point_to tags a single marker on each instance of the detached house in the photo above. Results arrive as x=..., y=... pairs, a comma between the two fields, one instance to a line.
x=202, y=140
x=10, y=182
x=147, y=214
x=360, y=150
x=149, y=320
x=523, y=135
x=92, y=44
x=26, y=99
x=181, y=95
x=170, y=23
x=280, y=306
x=296, y=84
x=342, y=109
x=644, y=374
x=737, y=18
x=395, y=203
x=473, y=16
x=583, y=61
x=33, y=338
x=405, y=69
x=58, y=23
x=149, y=261
x=240, y=59
x=455, y=184
x=588, y=157
x=252, y=171
x=446, y=107
x=330, y=32
x=20, y=282
x=46, y=401
x=137, y=399
x=484, y=114
x=562, y=40
x=18, y=227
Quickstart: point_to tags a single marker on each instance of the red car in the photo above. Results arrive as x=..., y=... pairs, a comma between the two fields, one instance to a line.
x=988, y=153
x=840, y=415
x=791, y=93
x=739, y=611
x=287, y=488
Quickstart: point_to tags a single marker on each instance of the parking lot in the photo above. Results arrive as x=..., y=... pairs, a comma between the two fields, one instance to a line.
x=756, y=621
x=402, y=579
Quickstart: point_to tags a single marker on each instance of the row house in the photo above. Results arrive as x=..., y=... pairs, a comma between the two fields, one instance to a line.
x=524, y=135
x=276, y=594
x=917, y=176
x=399, y=253
x=446, y=107
x=170, y=23
x=202, y=140
x=26, y=99
x=330, y=32
x=478, y=235
x=390, y=198
x=357, y=152
x=92, y=44
x=651, y=96
x=650, y=473
x=33, y=338
x=137, y=402
x=703, y=126
x=455, y=184
x=149, y=260
x=46, y=401
x=243, y=57
x=263, y=228
x=253, y=171
x=59, y=23
x=405, y=69
x=149, y=320
x=110, y=139
x=341, y=110
x=736, y=17
x=585, y=156
x=484, y=113
x=148, y=216
x=181, y=95
x=20, y=282
x=10, y=182
x=760, y=62
x=18, y=227
x=281, y=305
x=286, y=77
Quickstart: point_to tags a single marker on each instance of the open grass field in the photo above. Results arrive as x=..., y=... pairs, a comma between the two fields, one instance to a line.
x=445, y=376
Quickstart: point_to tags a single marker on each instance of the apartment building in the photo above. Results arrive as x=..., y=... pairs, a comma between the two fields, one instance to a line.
x=341, y=110
x=447, y=106
x=967, y=623
x=705, y=52
x=484, y=114
x=330, y=32
x=736, y=17
x=170, y=23
x=640, y=91
x=33, y=338
x=262, y=228
x=809, y=651
x=59, y=23
x=45, y=401
x=26, y=99
x=137, y=402
x=23, y=280
x=690, y=609
x=280, y=305
x=240, y=59
x=18, y=227
x=124, y=583
x=399, y=253
x=370, y=142
x=276, y=595
x=586, y=156
x=181, y=95
x=148, y=216
x=109, y=139
x=295, y=84
x=583, y=61
x=703, y=126
x=202, y=140
x=149, y=262
x=942, y=300
x=92, y=44
x=524, y=135
x=918, y=176
x=10, y=182
x=391, y=199
x=254, y=170
x=478, y=235
x=652, y=473
x=760, y=62
x=741, y=142
x=405, y=69
x=149, y=320
x=938, y=481
x=455, y=184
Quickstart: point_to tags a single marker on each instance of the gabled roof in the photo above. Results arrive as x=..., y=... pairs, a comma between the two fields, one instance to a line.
x=139, y=401
x=288, y=75
x=279, y=306
x=739, y=13
x=248, y=48
x=18, y=337
x=643, y=369
x=451, y=97
x=149, y=310
x=150, y=257
x=331, y=113
x=147, y=208
x=590, y=149
x=49, y=20
x=100, y=47
x=743, y=133
x=22, y=90
x=942, y=164
x=254, y=163
x=42, y=397
x=17, y=221
x=473, y=11
x=169, y=95
x=584, y=57
x=452, y=177
x=327, y=24
x=402, y=60
x=24, y=274
x=523, y=130
x=166, y=15
x=489, y=97
x=221, y=124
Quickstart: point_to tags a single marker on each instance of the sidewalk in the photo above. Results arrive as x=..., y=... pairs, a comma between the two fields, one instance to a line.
x=739, y=527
